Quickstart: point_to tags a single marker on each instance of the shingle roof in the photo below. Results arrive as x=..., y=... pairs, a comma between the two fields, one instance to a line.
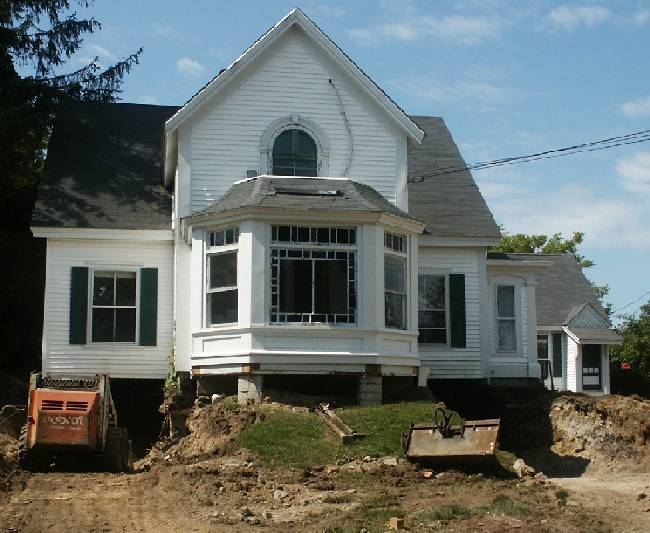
x=561, y=288
x=596, y=335
x=103, y=169
x=309, y=194
x=450, y=204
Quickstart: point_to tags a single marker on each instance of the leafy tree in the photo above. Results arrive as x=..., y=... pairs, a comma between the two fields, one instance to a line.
x=37, y=37
x=636, y=342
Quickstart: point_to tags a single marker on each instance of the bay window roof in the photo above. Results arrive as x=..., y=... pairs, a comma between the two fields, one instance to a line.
x=305, y=194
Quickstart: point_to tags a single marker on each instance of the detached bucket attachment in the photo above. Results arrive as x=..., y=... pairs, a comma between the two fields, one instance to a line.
x=464, y=443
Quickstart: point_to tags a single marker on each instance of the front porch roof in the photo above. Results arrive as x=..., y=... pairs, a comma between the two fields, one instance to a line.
x=593, y=335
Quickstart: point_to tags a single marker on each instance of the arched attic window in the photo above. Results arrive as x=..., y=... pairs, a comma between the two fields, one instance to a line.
x=294, y=154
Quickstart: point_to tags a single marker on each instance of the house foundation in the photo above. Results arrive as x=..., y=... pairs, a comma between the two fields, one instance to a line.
x=249, y=388
x=370, y=390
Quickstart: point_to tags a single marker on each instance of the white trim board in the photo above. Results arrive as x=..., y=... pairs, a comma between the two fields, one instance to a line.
x=97, y=233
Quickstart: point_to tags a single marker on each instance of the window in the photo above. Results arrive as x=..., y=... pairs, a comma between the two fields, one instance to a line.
x=294, y=154
x=432, y=308
x=221, y=259
x=395, y=281
x=542, y=346
x=114, y=307
x=314, y=282
x=506, y=320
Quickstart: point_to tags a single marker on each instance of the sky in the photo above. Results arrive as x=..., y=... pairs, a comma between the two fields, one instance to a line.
x=509, y=77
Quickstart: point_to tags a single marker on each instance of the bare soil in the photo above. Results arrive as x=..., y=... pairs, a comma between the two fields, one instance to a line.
x=203, y=483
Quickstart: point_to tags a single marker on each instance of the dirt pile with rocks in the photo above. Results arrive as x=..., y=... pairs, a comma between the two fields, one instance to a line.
x=613, y=432
x=210, y=429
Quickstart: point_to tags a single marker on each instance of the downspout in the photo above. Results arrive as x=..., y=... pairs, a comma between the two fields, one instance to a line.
x=346, y=169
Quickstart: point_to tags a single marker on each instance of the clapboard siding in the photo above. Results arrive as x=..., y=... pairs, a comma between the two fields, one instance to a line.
x=225, y=142
x=446, y=362
x=574, y=365
x=123, y=360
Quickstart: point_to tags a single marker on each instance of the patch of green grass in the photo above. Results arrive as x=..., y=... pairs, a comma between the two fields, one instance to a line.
x=385, y=423
x=445, y=513
x=337, y=498
x=507, y=506
x=377, y=511
x=300, y=439
x=562, y=495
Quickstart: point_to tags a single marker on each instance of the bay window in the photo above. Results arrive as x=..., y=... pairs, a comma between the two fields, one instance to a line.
x=313, y=275
x=221, y=268
x=506, y=318
x=395, y=281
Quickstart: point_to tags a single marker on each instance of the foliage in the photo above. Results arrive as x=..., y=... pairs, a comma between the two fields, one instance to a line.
x=37, y=37
x=520, y=243
x=636, y=342
x=312, y=443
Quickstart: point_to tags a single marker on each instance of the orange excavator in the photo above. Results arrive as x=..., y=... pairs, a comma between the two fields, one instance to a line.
x=73, y=414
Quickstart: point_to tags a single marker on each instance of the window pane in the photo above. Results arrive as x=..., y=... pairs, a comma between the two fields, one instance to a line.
x=223, y=270
x=103, y=290
x=506, y=301
x=294, y=154
x=542, y=347
x=431, y=291
x=125, y=288
x=219, y=238
x=103, y=325
x=433, y=336
x=395, y=306
x=431, y=319
x=125, y=325
x=295, y=286
x=507, y=342
x=222, y=307
x=395, y=273
x=331, y=287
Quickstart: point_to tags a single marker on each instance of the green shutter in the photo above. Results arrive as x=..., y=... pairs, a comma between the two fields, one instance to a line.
x=457, y=310
x=78, y=304
x=557, y=355
x=148, y=306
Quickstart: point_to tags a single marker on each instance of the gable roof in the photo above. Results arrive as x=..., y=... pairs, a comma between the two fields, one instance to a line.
x=451, y=204
x=562, y=289
x=298, y=18
x=103, y=169
x=305, y=194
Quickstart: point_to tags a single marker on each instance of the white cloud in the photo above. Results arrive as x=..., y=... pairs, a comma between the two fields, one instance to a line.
x=637, y=108
x=635, y=173
x=570, y=18
x=458, y=29
x=641, y=18
x=156, y=29
x=189, y=67
x=101, y=52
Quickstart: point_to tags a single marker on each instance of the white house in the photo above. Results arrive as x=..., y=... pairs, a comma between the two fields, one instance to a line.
x=289, y=220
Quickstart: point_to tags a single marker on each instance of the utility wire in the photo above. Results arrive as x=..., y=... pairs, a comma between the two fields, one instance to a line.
x=593, y=146
x=632, y=302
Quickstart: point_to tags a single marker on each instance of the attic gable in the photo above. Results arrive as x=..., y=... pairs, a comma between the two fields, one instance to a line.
x=295, y=19
x=586, y=316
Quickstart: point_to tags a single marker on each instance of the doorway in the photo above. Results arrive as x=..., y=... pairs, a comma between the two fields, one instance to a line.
x=591, y=367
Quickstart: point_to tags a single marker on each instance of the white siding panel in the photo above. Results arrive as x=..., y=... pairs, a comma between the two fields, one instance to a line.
x=120, y=361
x=574, y=366
x=446, y=362
x=294, y=79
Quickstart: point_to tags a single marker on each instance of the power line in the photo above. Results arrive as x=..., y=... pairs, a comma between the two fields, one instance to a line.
x=632, y=302
x=593, y=146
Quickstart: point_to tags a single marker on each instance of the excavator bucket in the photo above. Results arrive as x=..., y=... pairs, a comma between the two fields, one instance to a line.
x=468, y=442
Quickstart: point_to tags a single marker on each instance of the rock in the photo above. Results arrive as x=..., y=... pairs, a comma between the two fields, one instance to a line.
x=367, y=459
x=540, y=477
x=641, y=496
x=427, y=474
x=396, y=523
x=441, y=475
x=522, y=469
x=390, y=461
x=279, y=494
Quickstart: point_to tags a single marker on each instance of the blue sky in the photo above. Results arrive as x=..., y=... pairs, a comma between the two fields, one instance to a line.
x=509, y=77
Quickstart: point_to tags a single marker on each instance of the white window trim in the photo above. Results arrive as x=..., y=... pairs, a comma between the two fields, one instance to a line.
x=218, y=250
x=298, y=122
x=405, y=256
x=517, y=318
x=434, y=272
x=90, y=306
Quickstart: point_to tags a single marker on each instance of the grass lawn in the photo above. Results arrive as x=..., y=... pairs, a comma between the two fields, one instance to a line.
x=300, y=439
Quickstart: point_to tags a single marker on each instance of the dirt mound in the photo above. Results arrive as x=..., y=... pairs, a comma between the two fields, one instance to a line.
x=613, y=432
x=209, y=431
